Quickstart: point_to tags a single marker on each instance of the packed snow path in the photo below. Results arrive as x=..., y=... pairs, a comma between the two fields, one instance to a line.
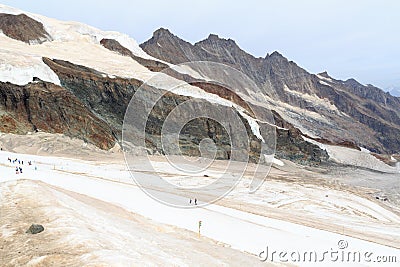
x=239, y=229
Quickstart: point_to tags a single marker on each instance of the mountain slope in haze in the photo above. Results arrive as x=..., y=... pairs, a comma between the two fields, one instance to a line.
x=318, y=104
x=102, y=70
x=98, y=72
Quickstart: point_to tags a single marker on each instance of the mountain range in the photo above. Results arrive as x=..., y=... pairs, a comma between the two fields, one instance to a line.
x=70, y=78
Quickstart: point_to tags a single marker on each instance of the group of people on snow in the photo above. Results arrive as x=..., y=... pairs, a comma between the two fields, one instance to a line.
x=19, y=163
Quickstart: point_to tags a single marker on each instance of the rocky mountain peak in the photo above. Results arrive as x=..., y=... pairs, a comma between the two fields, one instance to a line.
x=325, y=74
x=163, y=35
x=352, y=82
x=215, y=41
x=162, y=32
x=276, y=54
x=276, y=57
x=167, y=46
x=215, y=38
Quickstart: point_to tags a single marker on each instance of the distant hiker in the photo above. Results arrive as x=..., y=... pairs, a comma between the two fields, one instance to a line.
x=22, y=162
x=20, y=170
x=195, y=201
x=190, y=201
x=29, y=163
x=16, y=170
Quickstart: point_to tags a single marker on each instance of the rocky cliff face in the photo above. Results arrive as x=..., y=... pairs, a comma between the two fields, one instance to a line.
x=108, y=99
x=331, y=109
x=23, y=28
x=42, y=106
x=291, y=145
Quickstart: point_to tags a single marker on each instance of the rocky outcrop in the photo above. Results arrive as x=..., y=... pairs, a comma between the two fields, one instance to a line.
x=115, y=46
x=374, y=112
x=291, y=145
x=163, y=45
x=23, y=28
x=42, y=106
x=106, y=97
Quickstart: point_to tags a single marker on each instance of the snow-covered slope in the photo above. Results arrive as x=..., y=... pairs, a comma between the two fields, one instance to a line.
x=71, y=41
x=349, y=156
x=20, y=69
x=64, y=31
x=111, y=183
x=83, y=231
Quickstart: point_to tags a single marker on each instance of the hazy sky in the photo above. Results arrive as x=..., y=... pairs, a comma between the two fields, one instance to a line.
x=352, y=38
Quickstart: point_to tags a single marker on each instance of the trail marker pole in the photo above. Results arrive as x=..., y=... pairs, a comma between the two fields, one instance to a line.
x=199, y=228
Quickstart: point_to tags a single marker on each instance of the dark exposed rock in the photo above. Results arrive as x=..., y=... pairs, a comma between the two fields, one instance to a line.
x=115, y=46
x=290, y=144
x=23, y=28
x=50, y=108
x=375, y=112
x=222, y=92
x=35, y=229
x=106, y=97
x=325, y=74
x=169, y=43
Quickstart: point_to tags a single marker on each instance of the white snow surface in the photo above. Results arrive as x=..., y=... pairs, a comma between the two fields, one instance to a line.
x=272, y=159
x=71, y=41
x=324, y=78
x=255, y=128
x=20, y=70
x=72, y=31
x=241, y=230
x=353, y=157
x=81, y=231
x=314, y=100
x=324, y=83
